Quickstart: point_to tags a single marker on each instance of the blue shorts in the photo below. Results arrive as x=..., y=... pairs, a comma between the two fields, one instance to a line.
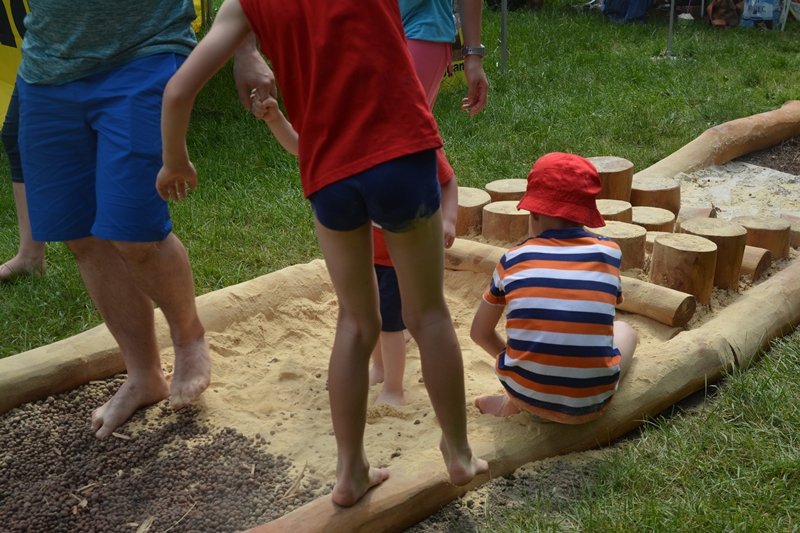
x=91, y=150
x=391, y=306
x=10, y=134
x=393, y=194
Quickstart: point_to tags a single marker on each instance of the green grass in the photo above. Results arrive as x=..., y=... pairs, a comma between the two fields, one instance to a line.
x=574, y=82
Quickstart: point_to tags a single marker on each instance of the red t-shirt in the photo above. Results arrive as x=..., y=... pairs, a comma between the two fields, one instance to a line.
x=347, y=81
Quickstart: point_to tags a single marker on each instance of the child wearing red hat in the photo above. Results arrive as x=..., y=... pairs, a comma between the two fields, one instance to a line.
x=565, y=353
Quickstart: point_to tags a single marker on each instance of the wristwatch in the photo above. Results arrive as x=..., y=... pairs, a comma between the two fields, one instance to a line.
x=479, y=51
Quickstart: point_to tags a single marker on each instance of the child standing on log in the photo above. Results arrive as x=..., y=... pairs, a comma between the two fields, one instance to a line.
x=565, y=353
x=367, y=144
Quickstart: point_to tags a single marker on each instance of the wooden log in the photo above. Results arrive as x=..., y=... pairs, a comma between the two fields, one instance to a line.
x=730, y=239
x=653, y=218
x=502, y=222
x=755, y=262
x=618, y=210
x=470, y=210
x=685, y=263
x=630, y=239
x=772, y=233
x=694, y=211
x=506, y=189
x=657, y=192
x=794, y=220
x=616, y=174
x=650, y=238
x=724, y=142
x=661, y=304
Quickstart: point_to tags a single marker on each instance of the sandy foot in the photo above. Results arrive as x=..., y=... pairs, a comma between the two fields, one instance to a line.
x=462, y=467
x=192, y=373
x=347, y=492
x=130, y=397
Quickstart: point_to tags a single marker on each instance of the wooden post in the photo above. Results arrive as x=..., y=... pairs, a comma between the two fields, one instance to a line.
x=653, y=218
x=686, y=212
x=771, y=233
x=502, y=222
x=630, y=239
x=730, y=239
x=794, y=220
x=618, y=210
x=657, y=192
x=685, y=263
x=755, y=262
x=508, y=189
x=616, y=174
x=470, y=210
x=650, y=238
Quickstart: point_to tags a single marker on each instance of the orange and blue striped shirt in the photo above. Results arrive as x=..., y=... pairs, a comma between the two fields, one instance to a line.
x=560, y=290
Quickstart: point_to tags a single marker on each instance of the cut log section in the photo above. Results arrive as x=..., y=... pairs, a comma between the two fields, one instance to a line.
x=508, y=189
x=698, y=211
x=502, y=222
x=616, y=175
x=771, y=233
x=470, y=210
x=685, y=263
x=618, y=210
x=650, y=238
x=755, y=262
x=653, y=218
x=730, y=239
x=794, y=220
x=630, y=239
x=657, y=192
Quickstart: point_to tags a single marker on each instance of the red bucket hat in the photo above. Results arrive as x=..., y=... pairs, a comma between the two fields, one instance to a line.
x=565, y=186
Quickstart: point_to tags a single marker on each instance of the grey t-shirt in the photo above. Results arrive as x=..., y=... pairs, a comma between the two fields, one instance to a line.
x=67, y=40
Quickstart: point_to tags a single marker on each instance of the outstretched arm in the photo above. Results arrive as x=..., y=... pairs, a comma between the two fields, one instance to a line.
x=230, y=27
x=477, y=83
x=449, y=211
x=484, y=325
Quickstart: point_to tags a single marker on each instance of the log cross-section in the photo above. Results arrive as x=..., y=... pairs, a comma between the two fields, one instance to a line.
x=653, y=218
x=730, y=239
x=630, y=239
x=506, y=189
x=685, y=263
x=772, y=233
x=618, y=210
x=502, y=222
x=616, y=175
x=470, y=210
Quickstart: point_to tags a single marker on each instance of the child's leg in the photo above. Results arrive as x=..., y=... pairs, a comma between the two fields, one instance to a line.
x=418, y=256
x=376, y=371
x=348, y=256
x=393, y=354
x=625, y=338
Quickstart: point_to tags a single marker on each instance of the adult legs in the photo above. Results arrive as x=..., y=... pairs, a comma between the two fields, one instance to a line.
x=418, y=256
x=348, y=257
x=30, y=258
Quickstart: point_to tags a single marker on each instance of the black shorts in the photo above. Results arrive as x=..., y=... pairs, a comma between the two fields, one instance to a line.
x=391, y=307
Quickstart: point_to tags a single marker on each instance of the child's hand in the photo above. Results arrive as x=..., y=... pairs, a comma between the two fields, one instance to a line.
x=449, y=233
x=175, y=183
x=266, y=110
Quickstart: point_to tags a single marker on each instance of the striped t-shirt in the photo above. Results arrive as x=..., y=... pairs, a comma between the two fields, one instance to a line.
x=560, y=290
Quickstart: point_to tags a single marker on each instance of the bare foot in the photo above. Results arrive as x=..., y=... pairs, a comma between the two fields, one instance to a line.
x=130, y=397
x=462, y=467
x=375, y=375
x=391, y=398
x=18, y=267
x=496, y=405
x=192, y=373
x=348, y=492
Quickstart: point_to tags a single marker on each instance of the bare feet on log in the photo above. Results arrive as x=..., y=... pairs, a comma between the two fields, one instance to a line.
x=462, y=466
x=350, y=488
x=130, y=397
x=192, y=373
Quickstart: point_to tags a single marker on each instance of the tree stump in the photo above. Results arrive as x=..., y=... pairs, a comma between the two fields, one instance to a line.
x=794, y=220
x=695, y=211
x=616, y=176
x=508, y=189
x=618, y=210
x=650, y=238
x=502, y=222
x=730, y=239
x=755, y=262
x=630, y=239
x=653, y=218
x=685, y=263
x=657, y=192
x=771, y=233
x=470, y=210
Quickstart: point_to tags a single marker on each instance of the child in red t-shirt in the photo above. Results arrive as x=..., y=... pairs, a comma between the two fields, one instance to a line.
x=366, y=147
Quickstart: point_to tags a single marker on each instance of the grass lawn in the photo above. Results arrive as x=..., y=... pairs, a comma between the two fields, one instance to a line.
x=574, y=82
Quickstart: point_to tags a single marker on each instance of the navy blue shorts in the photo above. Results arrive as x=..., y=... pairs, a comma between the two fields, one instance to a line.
x=10, y=134
x=91, y=150
x=393, y=194
x=391, y=306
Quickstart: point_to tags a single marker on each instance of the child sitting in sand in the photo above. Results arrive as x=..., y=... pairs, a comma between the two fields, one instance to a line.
x=565, y=353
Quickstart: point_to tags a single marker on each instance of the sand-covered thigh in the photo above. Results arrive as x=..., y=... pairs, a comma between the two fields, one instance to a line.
x=269, y=378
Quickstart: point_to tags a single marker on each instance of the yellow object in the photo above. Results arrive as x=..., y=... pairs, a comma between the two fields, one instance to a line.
x=203, y=10
x=10, y=41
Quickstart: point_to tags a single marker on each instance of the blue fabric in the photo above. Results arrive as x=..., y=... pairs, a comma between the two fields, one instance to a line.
x=95, y=147
x=625, y=10
x=10, y=134
x=428, y=20
x=67, y=40
x=391, y=305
